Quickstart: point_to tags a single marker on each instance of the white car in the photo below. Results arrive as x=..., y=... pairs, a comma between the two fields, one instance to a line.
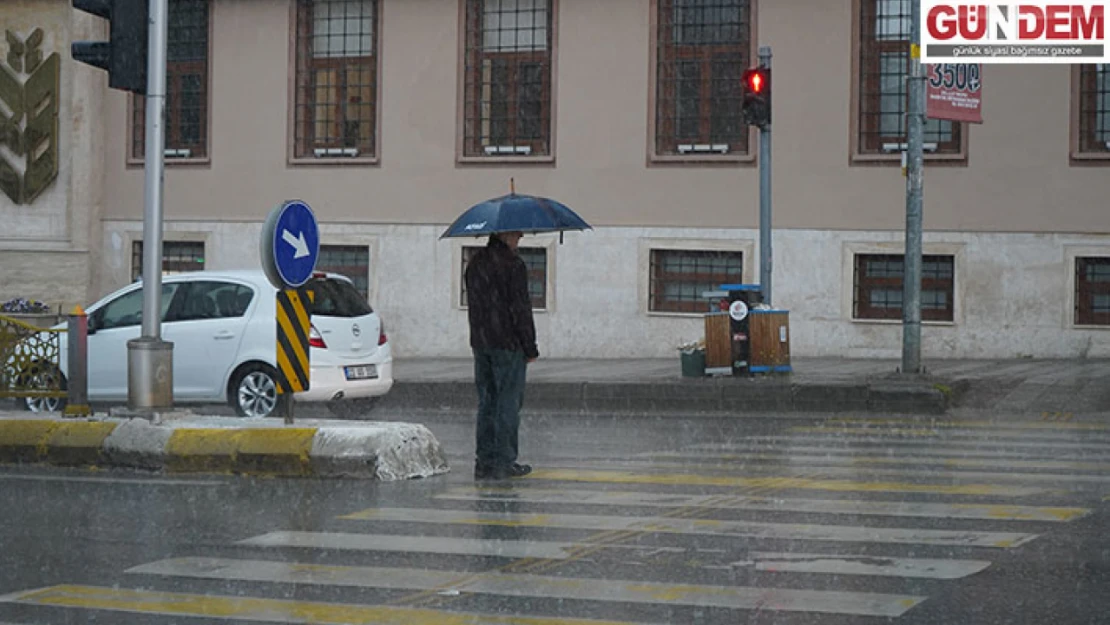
x=223, y=328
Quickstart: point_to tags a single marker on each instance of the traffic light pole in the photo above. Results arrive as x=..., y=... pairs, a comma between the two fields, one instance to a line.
x=150, y=359
x=915, y=160
x=765, y=195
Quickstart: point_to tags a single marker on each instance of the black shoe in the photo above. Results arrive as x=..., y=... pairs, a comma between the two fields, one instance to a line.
x=519, y=470
x=482, y=472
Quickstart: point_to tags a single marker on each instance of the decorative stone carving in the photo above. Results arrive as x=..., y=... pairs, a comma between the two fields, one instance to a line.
x=29, y=87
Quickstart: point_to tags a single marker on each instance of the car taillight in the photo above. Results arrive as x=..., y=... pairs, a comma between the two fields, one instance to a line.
x=315, y=340
x=381, y=333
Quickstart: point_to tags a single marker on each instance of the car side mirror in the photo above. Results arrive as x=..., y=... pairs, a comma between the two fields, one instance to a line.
x=91, y=328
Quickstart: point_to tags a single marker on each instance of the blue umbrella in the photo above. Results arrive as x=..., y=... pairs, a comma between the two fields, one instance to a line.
x=515, y=213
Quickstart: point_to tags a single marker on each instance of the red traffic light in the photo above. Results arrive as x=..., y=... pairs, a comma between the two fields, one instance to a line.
x=755, y=82
x=756, y=106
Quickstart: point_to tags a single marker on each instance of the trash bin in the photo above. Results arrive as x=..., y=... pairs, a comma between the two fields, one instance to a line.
x=742, y=298
x=693, y=363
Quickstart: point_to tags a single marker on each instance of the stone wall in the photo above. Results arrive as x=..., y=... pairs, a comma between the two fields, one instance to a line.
x=1011, y=294
x=45, y=235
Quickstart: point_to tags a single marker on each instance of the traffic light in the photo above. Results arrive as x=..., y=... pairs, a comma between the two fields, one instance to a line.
x=756, y=107
x=124, y=55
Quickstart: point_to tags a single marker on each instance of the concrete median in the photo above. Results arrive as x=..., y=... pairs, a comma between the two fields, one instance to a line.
x=197, y=444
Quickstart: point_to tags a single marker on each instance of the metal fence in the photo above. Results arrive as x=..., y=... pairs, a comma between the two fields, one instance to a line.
x=30, y=360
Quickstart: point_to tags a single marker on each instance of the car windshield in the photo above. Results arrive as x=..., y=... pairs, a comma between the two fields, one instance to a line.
x=337, y=298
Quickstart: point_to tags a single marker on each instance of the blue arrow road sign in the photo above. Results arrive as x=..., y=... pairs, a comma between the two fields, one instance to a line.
x=291, y=244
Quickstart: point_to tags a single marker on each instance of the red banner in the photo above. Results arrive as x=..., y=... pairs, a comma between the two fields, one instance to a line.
x=953, y=91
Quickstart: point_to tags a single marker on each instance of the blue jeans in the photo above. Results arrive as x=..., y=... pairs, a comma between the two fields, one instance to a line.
x=499, y=375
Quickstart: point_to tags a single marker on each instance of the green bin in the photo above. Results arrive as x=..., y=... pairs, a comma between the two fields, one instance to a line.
x=693, y=363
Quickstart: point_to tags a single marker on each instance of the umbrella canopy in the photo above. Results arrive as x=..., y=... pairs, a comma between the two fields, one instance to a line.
x=515, y=213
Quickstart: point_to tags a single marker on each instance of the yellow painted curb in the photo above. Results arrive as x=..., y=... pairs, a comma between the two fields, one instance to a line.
x=63, y=442
x=253, y=451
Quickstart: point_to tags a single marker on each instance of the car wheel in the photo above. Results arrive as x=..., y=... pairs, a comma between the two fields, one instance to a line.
x=352, y=408
x=47, y=377
x=253, y=392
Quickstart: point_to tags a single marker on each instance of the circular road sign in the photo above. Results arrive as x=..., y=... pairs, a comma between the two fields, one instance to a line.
x=290, y=244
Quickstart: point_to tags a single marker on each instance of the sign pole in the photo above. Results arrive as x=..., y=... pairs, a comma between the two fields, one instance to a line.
x=765, y=195
x=290, y=247
x=150, y=359
x=915, y=126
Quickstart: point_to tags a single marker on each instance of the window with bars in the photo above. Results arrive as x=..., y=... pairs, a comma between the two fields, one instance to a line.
x=352, y=261
x=336, y=79
x=679, y=277
x=186, y=113
x=177, y=257
x=879, y=283
x=702, y=50
x=884, y=43
x=1094, y=109
x=535, y=258
x=508, y=59
x=1092, y=290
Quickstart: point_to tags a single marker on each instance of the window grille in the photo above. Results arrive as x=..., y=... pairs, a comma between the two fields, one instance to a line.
x=507, y=104
x=878, y=287
x=1092, y=291
x=883, y=95
x=177, y=257
x=186, y=110
x=535, y=258
x=352, y=261
x=336, y=78
x=702, y=50
x=679, y=277
x=1094, y=108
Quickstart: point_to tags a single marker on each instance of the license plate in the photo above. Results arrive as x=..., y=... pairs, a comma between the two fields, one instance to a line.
x=361, y=372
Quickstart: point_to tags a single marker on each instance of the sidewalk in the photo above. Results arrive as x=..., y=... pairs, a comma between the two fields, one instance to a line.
x=656, y=387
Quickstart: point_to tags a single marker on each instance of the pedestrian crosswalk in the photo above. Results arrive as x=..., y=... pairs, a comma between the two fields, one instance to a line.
x=847, y=518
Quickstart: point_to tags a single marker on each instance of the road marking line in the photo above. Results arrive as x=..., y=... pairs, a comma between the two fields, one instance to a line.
x=421, y=544
x=857, y=472
x=269, y=610
x=993, y=512
x=750, y=529
x=840, y=564
x=851, y=458
x=525, y=585
x=990, y=425
x=628, y=477
x=945, y=434
x=152, y=481
x=784, y=452
x=859, y=443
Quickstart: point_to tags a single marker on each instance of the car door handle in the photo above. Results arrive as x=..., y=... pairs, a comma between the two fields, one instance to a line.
x=223, y=336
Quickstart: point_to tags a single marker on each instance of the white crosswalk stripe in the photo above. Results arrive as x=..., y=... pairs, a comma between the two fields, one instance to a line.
x=804, y=523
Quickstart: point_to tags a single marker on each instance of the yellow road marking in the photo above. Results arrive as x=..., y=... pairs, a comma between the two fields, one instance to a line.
x=273, y=610
x=979, y=424
x=627, y=477
x=820, y=429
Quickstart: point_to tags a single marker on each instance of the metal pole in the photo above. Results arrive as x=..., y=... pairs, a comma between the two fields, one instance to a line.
x=77, y=333
x=765, y=196
x=150, y=362
x=915, y=158
x=154, y=166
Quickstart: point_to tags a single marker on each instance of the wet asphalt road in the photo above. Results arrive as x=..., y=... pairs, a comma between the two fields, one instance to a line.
x=684, y=521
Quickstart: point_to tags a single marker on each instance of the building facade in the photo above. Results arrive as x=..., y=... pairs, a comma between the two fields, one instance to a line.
x=391, y=117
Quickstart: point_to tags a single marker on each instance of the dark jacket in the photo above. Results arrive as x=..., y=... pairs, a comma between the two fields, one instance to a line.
x=499, y=305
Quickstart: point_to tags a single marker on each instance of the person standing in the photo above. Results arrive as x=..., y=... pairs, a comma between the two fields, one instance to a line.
x=503, y=340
